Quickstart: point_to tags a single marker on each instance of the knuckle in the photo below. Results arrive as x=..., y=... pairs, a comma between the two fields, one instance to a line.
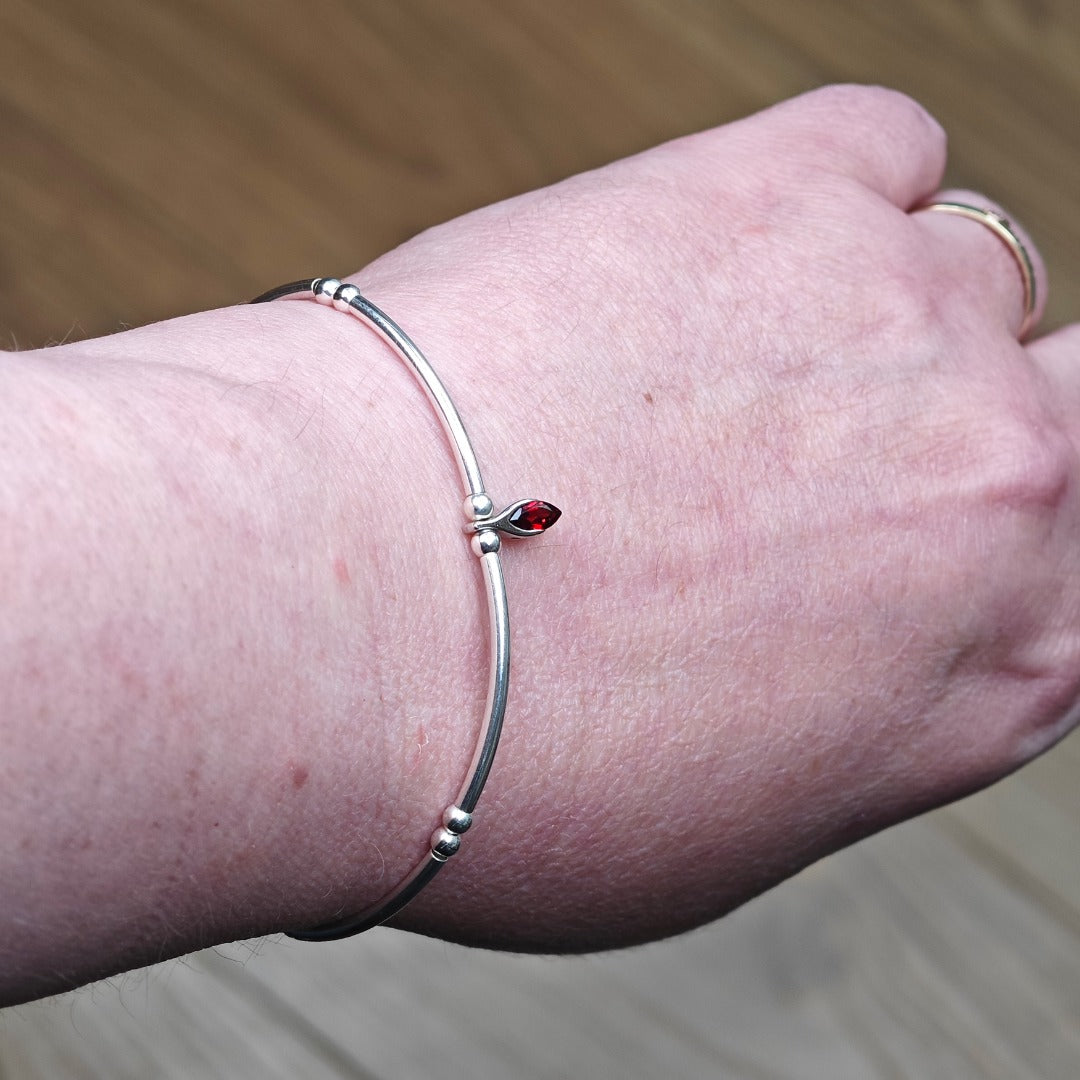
x=1025, y=601
x=875, y=106
x=900, y=304
x=1028, y=464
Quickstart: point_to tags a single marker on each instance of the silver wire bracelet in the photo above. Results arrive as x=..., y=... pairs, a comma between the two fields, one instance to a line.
x=526, y=517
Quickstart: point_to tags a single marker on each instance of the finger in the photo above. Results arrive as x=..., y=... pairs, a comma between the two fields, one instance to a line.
x=879, y=137
x=1058, y=357
x=990, y=260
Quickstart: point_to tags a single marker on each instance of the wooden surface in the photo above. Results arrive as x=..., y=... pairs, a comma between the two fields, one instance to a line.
x=160, y=157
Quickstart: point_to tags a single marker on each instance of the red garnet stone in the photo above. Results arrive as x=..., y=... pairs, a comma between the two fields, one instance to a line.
x=534, y=516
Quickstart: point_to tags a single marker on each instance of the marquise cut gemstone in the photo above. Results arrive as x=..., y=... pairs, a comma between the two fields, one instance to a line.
x=534, y=516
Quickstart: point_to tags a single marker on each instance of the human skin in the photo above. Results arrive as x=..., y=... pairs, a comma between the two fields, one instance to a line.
x=817, y=570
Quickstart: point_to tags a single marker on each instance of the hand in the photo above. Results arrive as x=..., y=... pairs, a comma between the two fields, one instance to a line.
x=818, y=569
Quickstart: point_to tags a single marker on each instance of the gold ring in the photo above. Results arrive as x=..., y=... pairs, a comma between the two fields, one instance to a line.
x=1003, y=230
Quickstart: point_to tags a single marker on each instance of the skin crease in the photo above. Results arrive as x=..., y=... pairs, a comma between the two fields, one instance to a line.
x=816, y=573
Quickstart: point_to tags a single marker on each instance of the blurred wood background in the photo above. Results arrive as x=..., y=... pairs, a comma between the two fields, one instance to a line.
x=159, y=157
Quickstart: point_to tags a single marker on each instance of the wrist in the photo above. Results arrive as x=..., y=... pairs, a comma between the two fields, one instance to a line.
x=256, y=633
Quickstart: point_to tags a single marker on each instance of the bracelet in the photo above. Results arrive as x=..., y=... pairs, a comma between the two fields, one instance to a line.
x=526, y=517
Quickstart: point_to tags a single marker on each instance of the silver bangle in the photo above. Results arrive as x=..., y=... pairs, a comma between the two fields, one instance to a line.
x=526, y=517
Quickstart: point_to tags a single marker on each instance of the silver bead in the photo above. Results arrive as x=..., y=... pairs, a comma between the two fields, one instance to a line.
x=344, y=296
x=479, y=506
x=325, y=289
x=456, y=819
x=486, y=542
x=444, y=843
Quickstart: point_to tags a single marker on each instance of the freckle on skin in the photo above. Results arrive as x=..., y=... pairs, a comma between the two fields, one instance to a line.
x=193, y=775
x=65, y=412
x=341, y=572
